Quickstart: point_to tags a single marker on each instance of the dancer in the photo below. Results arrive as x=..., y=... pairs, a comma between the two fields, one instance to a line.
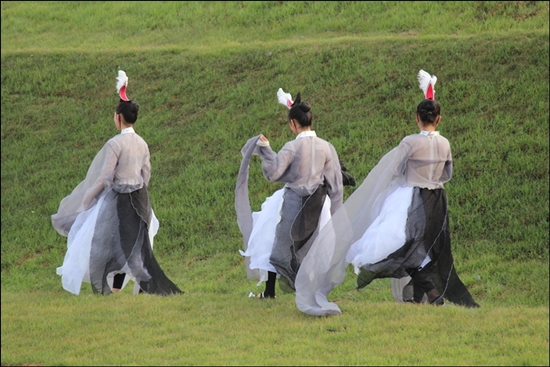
x=108, y=217
x=278, y=237
x=395, y=224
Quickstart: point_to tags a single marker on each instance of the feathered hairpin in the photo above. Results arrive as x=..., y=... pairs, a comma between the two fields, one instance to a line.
x=427, y=83
x=121, y=84
x=284, y=98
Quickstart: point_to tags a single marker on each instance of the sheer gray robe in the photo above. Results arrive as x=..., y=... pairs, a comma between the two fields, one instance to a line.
x=310, y=169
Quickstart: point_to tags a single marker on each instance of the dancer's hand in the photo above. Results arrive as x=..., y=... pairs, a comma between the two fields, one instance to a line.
x=262, y=141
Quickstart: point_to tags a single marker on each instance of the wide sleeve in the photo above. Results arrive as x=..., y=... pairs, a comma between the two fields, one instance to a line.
x=333, y=177
x=447, y=169
x=146, y=169
x=85, y=194
x=398, y=164
x=242, y=200
x=275, y=165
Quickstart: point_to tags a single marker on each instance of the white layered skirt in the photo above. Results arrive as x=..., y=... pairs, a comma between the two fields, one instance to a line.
x=264, y=224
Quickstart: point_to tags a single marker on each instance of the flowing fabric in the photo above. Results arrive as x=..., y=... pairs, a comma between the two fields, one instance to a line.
x=427, y=248
x=113, y=237
x=325, y=267
x=260, y=245
x=110, y=223
x=386, y=234
x=295, y=232
x=388, y=228
x=242, y=201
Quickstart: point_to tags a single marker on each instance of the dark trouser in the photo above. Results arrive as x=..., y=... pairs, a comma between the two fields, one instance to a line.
x=118, y=281
x=270, y=284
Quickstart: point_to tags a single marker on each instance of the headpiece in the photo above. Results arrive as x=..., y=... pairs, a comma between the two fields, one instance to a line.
x=121, y=84
x=284, y=98
x=427, y=83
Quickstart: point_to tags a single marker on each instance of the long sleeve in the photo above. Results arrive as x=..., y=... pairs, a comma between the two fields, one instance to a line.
x=103, y=180
x=402, y=153
x=275, y=165
x=448, y=169
x=333, y=176
x=242, y=200
x=146, y=169
x=84, y=195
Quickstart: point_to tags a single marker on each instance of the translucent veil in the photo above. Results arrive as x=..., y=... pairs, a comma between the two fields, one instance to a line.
x=242, y=201
x=325, y=266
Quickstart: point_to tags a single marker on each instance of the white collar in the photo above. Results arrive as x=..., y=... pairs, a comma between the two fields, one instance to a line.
x=127, y=130
x=306, y=133
x=429, y=133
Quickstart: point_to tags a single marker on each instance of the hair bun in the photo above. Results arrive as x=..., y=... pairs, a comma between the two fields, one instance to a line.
x=304, y=107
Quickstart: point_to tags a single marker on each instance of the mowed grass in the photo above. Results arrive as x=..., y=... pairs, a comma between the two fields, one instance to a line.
x=205, y=75
x=203, y=328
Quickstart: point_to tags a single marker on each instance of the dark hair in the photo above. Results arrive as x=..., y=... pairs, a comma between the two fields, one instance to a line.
x=428, y=110
x=301, y=112
x=129, y=110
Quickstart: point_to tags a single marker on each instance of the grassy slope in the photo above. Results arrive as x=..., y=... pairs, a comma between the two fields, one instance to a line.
x=202, y=98
x=196, y=123
x=202, y=27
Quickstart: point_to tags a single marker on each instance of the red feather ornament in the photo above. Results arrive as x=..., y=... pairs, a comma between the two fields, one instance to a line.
x=121, y=84
x=427, y=83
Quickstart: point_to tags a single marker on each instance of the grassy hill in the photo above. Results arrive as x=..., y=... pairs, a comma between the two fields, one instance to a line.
x=205, y=75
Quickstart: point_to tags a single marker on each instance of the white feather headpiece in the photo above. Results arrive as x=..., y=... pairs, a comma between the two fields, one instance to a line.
x=121, y=84
x=285, y=98
x=427, y=83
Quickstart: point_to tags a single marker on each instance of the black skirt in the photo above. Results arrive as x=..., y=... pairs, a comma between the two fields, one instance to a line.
x=427, y=234
x=121, y=245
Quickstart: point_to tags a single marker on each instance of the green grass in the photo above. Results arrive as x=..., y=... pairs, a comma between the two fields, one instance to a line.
x=199, y=329
x=205, y=26
x=205, y=75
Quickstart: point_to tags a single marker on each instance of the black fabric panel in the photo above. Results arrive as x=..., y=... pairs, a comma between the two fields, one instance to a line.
x=427, y=233
x=307, y=219
x=295, y=232
x=121, y=237
x=158, y=282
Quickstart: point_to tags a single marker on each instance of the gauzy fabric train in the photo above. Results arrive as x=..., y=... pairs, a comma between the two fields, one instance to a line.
x=384, y=253
x=110, y=223
x=325, y=268
x=242, y=202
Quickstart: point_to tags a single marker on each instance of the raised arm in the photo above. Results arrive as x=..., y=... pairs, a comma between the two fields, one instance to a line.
x=275, y=165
